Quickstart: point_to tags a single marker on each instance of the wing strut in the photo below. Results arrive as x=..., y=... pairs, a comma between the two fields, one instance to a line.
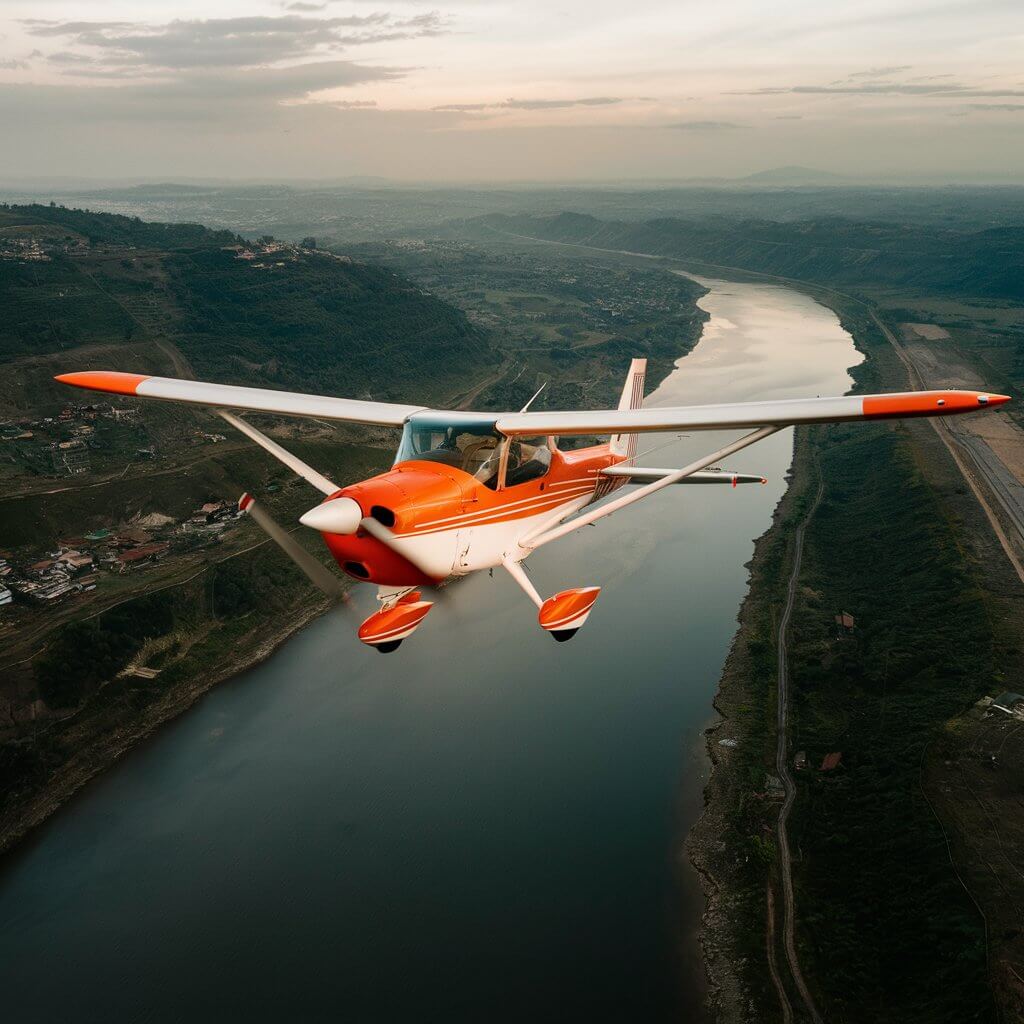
x=628, y=499
x=293, y=462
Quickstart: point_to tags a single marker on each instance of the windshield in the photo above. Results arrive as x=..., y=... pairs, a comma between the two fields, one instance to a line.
x=470, y=444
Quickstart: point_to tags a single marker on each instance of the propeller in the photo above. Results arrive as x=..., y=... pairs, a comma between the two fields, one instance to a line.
x=339, y=515
x=317, y=573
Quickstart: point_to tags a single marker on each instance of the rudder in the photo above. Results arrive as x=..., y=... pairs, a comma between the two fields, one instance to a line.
x=632, y=398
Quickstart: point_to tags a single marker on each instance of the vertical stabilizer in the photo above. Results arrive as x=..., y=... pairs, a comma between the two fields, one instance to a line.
x=632, y=398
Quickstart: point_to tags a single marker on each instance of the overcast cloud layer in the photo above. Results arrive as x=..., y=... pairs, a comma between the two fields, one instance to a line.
x=501, y=90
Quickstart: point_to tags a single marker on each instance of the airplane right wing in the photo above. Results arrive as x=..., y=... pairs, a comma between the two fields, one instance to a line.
x=748, y=415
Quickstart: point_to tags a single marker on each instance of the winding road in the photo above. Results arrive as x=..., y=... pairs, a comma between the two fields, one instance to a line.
x=782, y=760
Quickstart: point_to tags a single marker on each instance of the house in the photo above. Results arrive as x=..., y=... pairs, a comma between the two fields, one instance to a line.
x=145, y=555
x=131, y=536
x=845, y=622
x=831, y=762
x=1009, y=703
x=75, y=560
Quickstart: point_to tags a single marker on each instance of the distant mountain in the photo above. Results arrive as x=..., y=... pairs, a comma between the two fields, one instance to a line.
x=794, y=175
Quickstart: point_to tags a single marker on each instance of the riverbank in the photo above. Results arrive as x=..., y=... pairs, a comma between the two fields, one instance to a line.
x=928, y=643
x=103, y=731
x=739, y=746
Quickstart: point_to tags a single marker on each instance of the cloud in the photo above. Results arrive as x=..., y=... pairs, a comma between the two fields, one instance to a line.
x=588, y=101
x=703, y=126
x=880, y=72
x=299, y=6
x=880, y=89
x=789, y=117
x=232, y=96
x=461, y=107
x=514, y=104
x=12, y=64
x=1013, y=107
x=69, y=58
x=353, y=104
x=231, y=42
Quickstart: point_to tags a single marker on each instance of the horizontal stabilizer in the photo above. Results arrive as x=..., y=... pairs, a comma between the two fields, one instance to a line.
x=643, y=474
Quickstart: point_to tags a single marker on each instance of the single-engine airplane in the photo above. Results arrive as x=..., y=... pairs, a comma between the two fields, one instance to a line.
x=471, y=491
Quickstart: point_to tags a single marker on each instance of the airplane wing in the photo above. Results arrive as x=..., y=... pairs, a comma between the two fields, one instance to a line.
x=228, y=396
x=744, y=415
x=748, y=415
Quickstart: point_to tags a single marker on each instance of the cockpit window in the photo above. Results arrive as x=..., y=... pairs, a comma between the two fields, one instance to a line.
x=469, y=444
x=527, y=460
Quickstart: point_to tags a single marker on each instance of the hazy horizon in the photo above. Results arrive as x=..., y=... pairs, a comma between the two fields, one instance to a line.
x=496, y=93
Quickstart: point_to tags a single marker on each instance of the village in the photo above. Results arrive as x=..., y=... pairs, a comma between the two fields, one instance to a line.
x=66, y=444
x=76, y=565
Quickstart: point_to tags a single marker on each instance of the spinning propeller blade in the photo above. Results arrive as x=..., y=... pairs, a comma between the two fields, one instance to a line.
x=318, y=574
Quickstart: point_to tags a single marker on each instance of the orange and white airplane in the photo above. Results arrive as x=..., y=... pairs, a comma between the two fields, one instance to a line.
x=471, y=491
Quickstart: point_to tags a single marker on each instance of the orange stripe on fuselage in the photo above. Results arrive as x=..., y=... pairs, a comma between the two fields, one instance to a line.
x=110, y=381
x=430, y=497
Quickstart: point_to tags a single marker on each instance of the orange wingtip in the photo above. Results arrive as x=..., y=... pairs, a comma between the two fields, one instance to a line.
x=104, y=380
x=930, y=403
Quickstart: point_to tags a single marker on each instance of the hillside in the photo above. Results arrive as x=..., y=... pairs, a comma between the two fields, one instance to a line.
x=88, y=290
x=987, y=263
x=972, y=281
x=120, y=542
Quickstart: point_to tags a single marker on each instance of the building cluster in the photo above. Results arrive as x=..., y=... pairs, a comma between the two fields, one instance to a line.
x=77, y=564
x=261, y=255
x=32, y=250
x=64, y=441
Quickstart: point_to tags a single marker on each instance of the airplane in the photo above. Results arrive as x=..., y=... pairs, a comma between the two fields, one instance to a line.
x=471, y=491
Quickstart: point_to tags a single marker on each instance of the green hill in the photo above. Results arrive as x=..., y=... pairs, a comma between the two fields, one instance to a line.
x=833, y=250
x=88, y=290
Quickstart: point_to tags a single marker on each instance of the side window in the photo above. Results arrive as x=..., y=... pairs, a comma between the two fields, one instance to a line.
x=527, y=460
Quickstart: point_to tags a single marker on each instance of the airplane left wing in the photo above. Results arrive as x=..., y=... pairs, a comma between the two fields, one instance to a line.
x=229, y=396
x=748, y=415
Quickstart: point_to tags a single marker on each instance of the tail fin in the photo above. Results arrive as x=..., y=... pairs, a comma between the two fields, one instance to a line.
x=632, y=398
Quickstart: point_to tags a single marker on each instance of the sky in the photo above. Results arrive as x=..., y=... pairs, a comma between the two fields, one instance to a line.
x=497, y=91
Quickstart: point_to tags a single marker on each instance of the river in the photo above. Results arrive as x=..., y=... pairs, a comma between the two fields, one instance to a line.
x=483, y=826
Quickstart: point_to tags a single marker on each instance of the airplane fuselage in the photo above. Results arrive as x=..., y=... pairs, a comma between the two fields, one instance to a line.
x=452, y=524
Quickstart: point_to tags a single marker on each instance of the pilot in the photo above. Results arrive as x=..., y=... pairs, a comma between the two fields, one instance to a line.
x=536, y=465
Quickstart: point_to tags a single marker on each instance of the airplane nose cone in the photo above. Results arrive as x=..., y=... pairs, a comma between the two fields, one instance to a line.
x=993, y=399
x=339, y=515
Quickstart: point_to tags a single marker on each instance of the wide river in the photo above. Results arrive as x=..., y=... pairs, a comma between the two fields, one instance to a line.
x=483, y=826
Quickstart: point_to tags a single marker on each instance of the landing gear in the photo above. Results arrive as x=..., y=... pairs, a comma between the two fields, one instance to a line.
x=561, y=615
x=398, y=618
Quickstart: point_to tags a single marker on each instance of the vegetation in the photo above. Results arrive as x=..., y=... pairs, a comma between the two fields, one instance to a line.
x=831, y=250
x=884, y=921
x=293, y=318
